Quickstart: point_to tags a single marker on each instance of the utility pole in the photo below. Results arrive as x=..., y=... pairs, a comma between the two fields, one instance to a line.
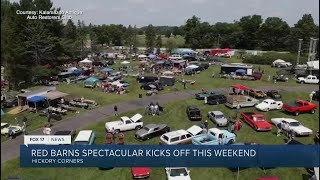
x=310, y=49
x=314, y=50
x=299, y=50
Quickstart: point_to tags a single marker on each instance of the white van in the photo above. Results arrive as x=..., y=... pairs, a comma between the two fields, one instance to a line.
x=85, y=137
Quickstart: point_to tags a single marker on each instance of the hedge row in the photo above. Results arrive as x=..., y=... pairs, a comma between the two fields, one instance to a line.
x=268, y=58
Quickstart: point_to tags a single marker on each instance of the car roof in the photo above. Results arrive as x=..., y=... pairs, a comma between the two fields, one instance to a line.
x=125, y=118
x=216, y=130
x=269, y=100
x=176, y=133
x=84, y=135
x=289, y=120
x=151, y=126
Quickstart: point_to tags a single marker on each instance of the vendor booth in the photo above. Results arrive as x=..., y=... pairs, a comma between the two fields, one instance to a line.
x=91, y=82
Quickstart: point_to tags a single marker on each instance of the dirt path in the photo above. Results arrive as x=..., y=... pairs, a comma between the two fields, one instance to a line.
x=11, y=150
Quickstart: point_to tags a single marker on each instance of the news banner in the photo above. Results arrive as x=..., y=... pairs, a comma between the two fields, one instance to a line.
x=57, y=151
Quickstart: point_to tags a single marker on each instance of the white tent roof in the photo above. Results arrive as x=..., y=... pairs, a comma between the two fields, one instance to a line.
x=279, y=61
x=86, y=60
x=193, y=66
x=314, y=64
x=125, y=62
x=142, y=56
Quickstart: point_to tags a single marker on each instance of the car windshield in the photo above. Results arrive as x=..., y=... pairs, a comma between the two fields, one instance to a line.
x=178, y=172
x=266, y=102
x=195, y=113
x=258, y=118
x=294, y=124
x=219, y=116
x=145, y=128
x=81, y=143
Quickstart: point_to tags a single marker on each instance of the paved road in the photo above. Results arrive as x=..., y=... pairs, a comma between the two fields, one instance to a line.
x=11, y=150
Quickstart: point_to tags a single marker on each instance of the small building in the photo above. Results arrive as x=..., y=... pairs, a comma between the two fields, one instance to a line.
x=23, y=97
x=236, y=67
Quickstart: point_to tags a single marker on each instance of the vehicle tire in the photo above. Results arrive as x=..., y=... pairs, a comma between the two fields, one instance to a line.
x=117, y=131
x=312, y=111
x=138, y=127
x=297, y=113
x=231, y=141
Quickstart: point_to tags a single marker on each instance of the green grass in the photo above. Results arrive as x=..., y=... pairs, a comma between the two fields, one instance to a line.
x=178, y=40
x=203, y=80
x=175, y=117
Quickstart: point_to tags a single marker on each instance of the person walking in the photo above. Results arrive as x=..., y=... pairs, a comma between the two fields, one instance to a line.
x=206, y=125
x=237, y=126
x=24, y=128
x=115, y=108
x=286, y=128
x=291, y=136
x=279, y=126
x=220, y=140
x=205, y=100
x=311, y=95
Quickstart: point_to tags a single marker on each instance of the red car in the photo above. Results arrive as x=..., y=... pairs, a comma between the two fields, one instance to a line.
x=140, y=172
x=257, y=121
x=300, y=106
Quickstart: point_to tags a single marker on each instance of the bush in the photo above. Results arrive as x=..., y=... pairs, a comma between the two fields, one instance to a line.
x=268, y=58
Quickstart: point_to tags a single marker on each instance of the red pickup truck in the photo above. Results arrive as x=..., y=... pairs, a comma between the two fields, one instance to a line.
x=257, y=121
x=300, y=106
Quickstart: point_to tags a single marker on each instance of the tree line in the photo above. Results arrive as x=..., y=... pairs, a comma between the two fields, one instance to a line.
x=28, y=45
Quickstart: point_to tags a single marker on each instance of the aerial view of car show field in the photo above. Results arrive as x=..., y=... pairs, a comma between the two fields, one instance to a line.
x=116, y=76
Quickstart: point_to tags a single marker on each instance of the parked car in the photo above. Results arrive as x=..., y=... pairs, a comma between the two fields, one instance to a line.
x=175, y=57
x=281, y=78
x=9, y=103
x=152, y=85
x=269, y=104
x=300, y=106
x=274, y=94
x=316, y=96
x=151, y=130
x=239, y=101
x=193, y=113
x=180, y=136
x=85, y=137
x=294, y=126
x=140, y=172
x=125, y=124
x=308, y=80
x=212, y=137
x=218, y=118
x=177, y=173
x=5, y=127
x=256, y=121
x=257, y=93
x=216, y=99
x=72, y=133
x=202, y=95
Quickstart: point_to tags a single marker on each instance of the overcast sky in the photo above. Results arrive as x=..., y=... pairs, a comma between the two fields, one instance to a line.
x=176, y=12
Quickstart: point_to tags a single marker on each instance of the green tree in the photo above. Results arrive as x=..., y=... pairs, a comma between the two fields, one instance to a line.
x=129, y=37
x=250, y=25
x=150, y=37
x=176, y=31
x=168, y=33
x=171, y=44
x=158, y=43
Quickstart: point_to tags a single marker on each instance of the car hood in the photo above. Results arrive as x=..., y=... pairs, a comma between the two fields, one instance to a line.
x=179, y=178
x=141, y=132
x=264, y=124
x=222, y=120
x=138, y=171
x=301, y=129
x=261, y=106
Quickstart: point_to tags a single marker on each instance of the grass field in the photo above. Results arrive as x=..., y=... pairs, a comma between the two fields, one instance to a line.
x=203, y=80
x=178, y=40
x=175, y=117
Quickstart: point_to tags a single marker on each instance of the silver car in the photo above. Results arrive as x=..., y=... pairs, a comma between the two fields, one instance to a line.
x=151, y=130
x=218, y=118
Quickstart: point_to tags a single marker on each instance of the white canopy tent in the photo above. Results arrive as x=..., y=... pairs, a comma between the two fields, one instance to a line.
x=86, y=61
x=125, y=62
x=313, y=64
x=278, y=61
x=141, y=56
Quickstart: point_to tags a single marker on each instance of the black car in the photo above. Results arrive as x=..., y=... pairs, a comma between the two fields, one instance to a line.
x=151, y=130
x=316, y=96
x=282, y=78
x=147, y=79
x=202, y=67
x=9, y=103
x=216, y=99
x=152, y=85
x=193, y=113
x=72, y=133
x=274, y=94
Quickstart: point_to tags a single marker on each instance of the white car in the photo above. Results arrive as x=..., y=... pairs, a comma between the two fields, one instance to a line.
x=294, y=126
x=178, y=173
x=125, y=124
x=269, y=104
x=175, y=57
x=308, y=80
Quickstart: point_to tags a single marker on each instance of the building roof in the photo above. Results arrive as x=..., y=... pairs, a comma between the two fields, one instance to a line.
x=38, y=92
x=55, y=95
x=36, y=99
x=84, y=135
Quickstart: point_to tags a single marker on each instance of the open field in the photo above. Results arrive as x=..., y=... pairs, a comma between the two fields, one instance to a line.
x=175, y=117
x=203, y=80
x=178, y=40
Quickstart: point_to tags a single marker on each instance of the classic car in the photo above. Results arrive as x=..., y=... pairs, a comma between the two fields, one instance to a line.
x=257, y=121
x=269, y=104
x=274, y=94
x=218, y=118
x=180, y=136
x=294, y=126
x=193, y=113
x=281, y=78
x=177, y=173
x=152, y=85
x=140, y=172
x=5, y=127
x=151, y=130
x=300, y=106
x=125, y=124
x=212, y=137
x=85, y=137
x=202, y=95
x=239, y=101
x=257, y=93
x=216, y=99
